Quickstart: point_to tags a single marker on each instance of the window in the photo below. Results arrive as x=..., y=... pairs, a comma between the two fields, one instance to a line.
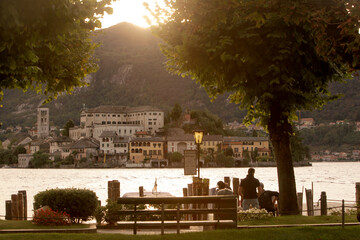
x=236, y=150
x=150, y=123
x=108, y=122
x=102, y=145
x=145, y=152
x=114, y=115
x=154, y=144
x=159, y=152
x=113, y=122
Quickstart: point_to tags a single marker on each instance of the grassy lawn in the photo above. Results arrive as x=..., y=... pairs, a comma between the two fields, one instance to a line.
x=299, y=220
x=298, y=233
x=4, y=224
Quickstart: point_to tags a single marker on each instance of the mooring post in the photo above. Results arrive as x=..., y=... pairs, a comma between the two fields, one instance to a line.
x=309, y=202
x=300, y=202
x=8, y=215
x=343, y=213
x=24, y=198
x=357, y=195
x=20, y=207
x=236, y=183
x=14, y=207
x=141, y=191
x=323, y=204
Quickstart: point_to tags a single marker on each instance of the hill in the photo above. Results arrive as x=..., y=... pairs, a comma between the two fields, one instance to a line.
x=132, y=73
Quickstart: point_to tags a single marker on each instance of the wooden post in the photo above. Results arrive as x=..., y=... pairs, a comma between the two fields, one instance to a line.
x=300, y=201
x=190, y=206
x=20, y=207
x=24, y=197
x=186, y=206
x=141, y=191
x=116, y=190
x=227, y=181
x=343, y=213
x=110, y=192
x=309, y=202
x=113, y=190
x=236, y=183
x=14, y=207
x=8, y=215
x=323, y=204
x=357, y=196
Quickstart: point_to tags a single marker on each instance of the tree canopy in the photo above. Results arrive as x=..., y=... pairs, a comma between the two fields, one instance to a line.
x=274, y=57
x=45, y=45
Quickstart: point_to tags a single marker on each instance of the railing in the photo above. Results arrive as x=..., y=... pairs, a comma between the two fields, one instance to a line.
x=224, y=209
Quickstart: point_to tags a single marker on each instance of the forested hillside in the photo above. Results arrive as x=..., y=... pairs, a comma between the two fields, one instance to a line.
x=132, y=73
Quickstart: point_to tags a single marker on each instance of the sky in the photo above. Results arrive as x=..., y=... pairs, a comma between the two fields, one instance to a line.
x=131, y=11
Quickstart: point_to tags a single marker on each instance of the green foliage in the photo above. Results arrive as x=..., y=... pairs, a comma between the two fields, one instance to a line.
x=260, y=52
x=80, y=204
x=68, y=160
x=175, y=157
x=299, y=151
x=7, y=157
x=176, y=112
x=69, y=124
x=19, y=150
x=45, y=44
x=229, y=152
x=39, y=159
x=335, y=138
x=224, y=161
x=206, y=121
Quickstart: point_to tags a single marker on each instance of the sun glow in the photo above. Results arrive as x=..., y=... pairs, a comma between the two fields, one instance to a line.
x=131, y=11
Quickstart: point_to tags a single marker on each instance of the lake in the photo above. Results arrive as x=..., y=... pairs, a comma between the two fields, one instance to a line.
x=337, y=179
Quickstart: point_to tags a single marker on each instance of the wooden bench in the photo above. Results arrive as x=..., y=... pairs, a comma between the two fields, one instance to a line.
x=224, y=210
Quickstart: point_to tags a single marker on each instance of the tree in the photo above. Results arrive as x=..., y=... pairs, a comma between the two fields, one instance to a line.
x=69, y=124
x=45, y=45
x=224, y=161
x=274, y=57
x=175, y=157
x=176, y=112
x=40, y=159
x=229, y=152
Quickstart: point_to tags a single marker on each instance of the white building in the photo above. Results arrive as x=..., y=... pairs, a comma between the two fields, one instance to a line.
x=125, y=121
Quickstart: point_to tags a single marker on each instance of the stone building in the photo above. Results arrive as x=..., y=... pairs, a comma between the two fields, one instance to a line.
x=43, y=123
x=125, y=121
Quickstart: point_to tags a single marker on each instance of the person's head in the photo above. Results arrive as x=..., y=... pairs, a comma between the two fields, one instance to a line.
x=251, y=171
x=220, y=184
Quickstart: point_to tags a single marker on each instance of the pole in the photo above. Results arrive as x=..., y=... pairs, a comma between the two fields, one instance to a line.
x=198, y=160
x=323, y=204
x=343, y=213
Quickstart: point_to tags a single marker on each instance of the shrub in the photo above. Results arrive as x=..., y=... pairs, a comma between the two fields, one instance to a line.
x=80, y=204
x=253, y=214
x=50, y=217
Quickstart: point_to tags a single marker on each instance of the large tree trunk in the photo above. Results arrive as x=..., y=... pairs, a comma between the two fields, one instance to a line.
x=280, y=130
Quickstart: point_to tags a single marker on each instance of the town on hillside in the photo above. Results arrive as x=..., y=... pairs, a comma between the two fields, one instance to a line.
x=121, y=136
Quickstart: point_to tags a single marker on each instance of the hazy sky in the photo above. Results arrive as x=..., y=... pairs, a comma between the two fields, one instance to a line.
x=131, y=11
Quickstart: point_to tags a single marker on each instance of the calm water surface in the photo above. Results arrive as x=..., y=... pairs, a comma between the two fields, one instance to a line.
x=336, y=179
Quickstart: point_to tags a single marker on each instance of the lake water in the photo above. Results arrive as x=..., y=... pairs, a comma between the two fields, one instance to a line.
x=336, y=179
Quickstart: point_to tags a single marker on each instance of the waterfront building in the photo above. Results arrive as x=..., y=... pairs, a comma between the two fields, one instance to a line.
x=125, y=121
x=39, y=145
x=84, y=148
x=60, y=146
x=143, y=149
x=24, y=160
x=180, y=143
x=239, y=144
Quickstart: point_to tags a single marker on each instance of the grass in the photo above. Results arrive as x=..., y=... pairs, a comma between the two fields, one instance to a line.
x=299, y=220
x=4, y=224
x=298, y=233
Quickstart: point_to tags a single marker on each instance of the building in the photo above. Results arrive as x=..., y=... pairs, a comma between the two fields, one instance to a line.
x=180, y=143
x=125, y=121
x=39, y=145
x=239, y=144
x=211, y=143
x=111, y=143
x=84, y=148
x=143, y=149
x=60, y=146
x=24, y=160
x=43, y=123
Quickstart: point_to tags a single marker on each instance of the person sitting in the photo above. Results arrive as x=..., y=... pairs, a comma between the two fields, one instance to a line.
x=222, y=189
x=267, y=199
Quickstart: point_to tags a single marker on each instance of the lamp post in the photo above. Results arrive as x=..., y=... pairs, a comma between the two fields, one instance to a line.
x=198, y=134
